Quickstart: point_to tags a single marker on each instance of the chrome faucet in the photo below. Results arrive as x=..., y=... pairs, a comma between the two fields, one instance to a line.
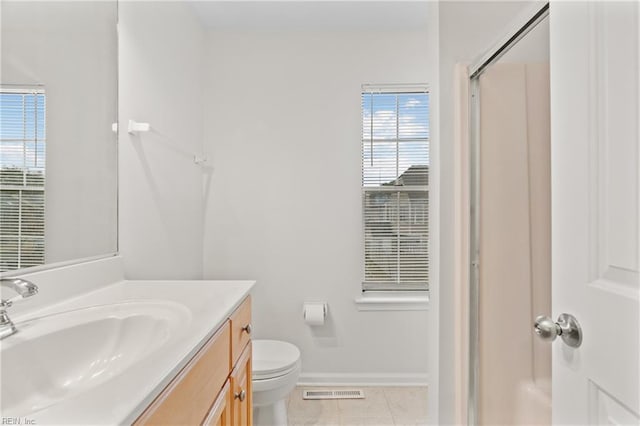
x=24, y=289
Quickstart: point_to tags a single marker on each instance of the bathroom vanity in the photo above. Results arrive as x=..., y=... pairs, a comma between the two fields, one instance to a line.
x=214, y=388
x=128, y=352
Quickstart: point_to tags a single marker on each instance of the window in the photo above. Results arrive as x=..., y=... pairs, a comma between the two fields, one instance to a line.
x=22, y=172
x=395, y=187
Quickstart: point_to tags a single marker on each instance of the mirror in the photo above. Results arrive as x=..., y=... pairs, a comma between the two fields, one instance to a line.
x=58, y=151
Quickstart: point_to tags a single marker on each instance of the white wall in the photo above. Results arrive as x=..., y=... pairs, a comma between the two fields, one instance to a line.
x=70, y=48
x=283, y=201
x=161, y=82
x=466, y=30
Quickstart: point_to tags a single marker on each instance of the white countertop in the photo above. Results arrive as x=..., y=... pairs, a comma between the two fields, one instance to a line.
x=123, y=398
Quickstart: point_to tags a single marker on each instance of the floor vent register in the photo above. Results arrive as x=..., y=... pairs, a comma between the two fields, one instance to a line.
x=333, y=394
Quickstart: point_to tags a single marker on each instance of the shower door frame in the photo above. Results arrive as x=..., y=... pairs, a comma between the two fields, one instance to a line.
x=521, y=27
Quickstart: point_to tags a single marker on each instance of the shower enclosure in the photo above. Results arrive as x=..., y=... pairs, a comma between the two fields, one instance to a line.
x=510, y=238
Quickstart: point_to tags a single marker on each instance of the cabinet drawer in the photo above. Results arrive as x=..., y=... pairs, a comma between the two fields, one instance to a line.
x=240, y=329
x=187, y=399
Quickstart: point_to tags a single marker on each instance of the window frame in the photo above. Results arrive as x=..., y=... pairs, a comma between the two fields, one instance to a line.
x=395, y=291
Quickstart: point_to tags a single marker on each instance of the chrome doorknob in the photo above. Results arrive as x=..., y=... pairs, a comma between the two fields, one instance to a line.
x=241, y=395
x=567, y=327
x=546, y=328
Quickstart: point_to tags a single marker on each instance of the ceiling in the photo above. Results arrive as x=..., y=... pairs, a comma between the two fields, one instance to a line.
x=312, y=15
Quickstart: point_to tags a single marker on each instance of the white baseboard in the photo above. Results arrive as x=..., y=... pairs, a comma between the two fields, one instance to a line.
x=362, y=379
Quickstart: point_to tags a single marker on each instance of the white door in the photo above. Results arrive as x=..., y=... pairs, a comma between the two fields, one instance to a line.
x=595, y=116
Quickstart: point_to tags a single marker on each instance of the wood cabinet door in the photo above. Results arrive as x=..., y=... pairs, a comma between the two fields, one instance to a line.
x=187, y=399
x=242, y=407
x=220, y=412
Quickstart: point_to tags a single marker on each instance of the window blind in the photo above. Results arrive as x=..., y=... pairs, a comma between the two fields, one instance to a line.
x=22, y=177
x=395, y=187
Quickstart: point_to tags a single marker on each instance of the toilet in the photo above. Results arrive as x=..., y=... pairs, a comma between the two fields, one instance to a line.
x=276, y=367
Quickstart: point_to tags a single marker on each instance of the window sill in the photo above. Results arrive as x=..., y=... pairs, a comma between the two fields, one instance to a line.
x=393, y=301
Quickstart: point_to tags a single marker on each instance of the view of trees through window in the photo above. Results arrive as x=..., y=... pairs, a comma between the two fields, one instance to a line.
x=22, y=178
x=395, y=181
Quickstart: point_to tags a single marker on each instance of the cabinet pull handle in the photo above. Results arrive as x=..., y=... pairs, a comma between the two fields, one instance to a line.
x=247, y=328
x=240, y=395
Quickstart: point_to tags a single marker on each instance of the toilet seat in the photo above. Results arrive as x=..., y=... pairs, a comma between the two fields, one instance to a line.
x=275, y=370
x=273, y=358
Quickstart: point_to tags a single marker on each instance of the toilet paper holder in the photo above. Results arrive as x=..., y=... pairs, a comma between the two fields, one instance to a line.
x=313, y=307
x=305, y=304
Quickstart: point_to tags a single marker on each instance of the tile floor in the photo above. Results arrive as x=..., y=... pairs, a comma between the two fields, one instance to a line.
x=382, y=406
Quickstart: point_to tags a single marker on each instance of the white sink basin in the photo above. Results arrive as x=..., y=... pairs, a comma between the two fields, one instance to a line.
x=55, y=357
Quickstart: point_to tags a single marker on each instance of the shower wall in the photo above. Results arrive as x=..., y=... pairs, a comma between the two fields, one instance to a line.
x=515, y=244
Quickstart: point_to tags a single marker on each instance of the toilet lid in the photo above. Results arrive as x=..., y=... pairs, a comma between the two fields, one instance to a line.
x=273, y=358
